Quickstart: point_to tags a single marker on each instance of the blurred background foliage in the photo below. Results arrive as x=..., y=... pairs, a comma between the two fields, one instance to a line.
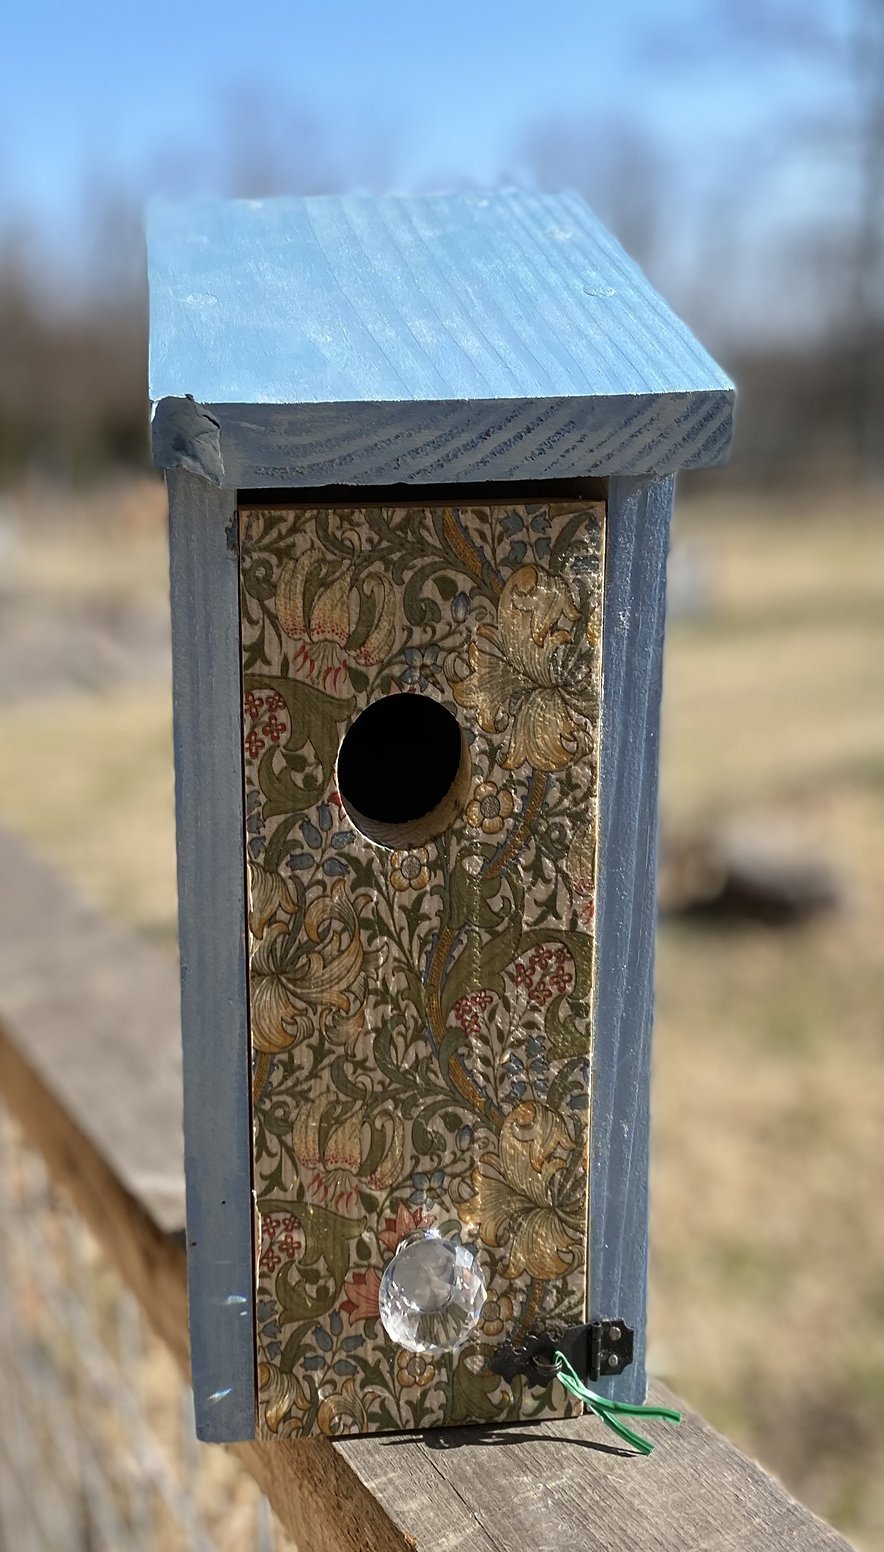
x=736, y=149
x=740, y=162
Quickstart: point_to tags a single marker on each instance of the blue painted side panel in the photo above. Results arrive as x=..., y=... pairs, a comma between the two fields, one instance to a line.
x=214, y=996
x=626, y=910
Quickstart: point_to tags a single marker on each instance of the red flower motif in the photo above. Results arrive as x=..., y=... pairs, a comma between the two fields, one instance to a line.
x=468, y=1011
x=274, y=728
x=548, y=973
x=362, y=1289
x=291, y=1239
x=281, y=1239
x=405, y=1222
x=275, y=701
x=254, y=744
x=254, y=704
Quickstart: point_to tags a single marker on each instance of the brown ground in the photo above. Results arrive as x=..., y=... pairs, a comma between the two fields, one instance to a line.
x=768, y=1235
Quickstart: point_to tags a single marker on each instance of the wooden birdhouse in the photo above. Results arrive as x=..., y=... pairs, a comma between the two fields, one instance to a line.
x=420, y=457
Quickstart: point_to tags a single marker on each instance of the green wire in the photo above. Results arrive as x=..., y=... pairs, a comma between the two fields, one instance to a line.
x=609, y=1411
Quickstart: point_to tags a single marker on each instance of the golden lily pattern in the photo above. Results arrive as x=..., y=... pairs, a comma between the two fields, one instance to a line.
x=420, y=1016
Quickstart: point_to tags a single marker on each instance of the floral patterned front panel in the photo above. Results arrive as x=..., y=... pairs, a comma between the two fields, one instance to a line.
x=420, y=1017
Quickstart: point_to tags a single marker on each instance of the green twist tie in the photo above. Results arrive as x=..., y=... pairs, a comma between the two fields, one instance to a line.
x=611, y=1411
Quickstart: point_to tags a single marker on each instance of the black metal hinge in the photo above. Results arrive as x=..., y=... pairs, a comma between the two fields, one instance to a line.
x=597, y=1351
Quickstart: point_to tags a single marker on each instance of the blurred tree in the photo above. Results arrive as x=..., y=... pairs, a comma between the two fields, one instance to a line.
x=817, y=132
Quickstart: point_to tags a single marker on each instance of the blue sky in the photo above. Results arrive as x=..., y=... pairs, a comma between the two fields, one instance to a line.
x=166, y=97
x=108, y=85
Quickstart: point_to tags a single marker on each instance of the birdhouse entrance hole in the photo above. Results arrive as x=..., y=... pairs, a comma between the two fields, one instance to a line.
x=404, y=770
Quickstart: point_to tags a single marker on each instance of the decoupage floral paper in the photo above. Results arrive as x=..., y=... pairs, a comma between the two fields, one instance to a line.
x=420, y=1015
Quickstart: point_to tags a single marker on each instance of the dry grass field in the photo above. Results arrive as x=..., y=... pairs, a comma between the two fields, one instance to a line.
x=768, y=1230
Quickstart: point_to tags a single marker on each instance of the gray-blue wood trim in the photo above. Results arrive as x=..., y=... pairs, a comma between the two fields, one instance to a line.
x=309, y=445
x=212, y=915
x=637, y=541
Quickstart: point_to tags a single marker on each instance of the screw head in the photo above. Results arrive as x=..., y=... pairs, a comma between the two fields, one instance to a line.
x=615, y=1334
x=613, y=1361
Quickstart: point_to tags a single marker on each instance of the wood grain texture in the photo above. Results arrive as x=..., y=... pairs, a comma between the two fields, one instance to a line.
x=455, y=337
x=211, y=896
x=626, y=913
x=521, y=1489
x=565, y=1485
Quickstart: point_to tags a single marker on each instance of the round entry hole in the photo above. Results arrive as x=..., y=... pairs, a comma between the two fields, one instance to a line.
x=403, y=770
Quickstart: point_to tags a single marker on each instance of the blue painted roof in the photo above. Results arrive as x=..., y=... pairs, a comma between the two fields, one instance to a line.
x=431, y=299
x=289, y=301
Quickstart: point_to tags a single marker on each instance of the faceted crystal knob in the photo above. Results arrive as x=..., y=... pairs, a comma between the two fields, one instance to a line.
x=432, y=1293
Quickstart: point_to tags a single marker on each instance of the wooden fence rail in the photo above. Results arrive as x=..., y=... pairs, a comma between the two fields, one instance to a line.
x=90, y=1067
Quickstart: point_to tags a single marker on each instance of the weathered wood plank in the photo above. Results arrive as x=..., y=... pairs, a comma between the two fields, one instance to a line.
x=563, y=1485
x=521, y=1489
x=83, y=999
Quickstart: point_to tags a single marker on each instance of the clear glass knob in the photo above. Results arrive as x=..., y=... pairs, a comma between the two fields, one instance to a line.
x=432, y=1293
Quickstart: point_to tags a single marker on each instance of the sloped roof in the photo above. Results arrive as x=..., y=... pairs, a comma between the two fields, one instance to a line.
x=400, y=321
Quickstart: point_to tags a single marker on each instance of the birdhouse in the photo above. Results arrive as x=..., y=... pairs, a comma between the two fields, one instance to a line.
x=420, y=457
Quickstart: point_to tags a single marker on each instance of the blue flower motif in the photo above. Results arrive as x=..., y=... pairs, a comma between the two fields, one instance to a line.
x=542, y=548
x=534, y=1045
x=343, y=838
x=540, y=521
x=310, y=833
x=513, y=1064
x=421, y=666
x=511, y=523
x=265, y=1309
x=579, y=1101
x=517, y=553
x=322, y=1339
x=333, y=867
x=425, y=1186
x=519, y=1090
x=335, y=1323
x=460, y=607
x=300, y=860
x=315, y=1361
x=256, y=846
x=272, y=1349
x=344, y=1366
x=463, y=1138
x=324, y=814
